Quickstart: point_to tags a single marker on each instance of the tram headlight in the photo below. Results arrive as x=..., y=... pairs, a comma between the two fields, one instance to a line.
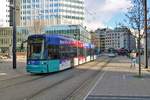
x=28, y=63
x=43, y=63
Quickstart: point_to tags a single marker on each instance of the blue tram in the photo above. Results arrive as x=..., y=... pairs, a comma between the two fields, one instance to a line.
x=50, y=53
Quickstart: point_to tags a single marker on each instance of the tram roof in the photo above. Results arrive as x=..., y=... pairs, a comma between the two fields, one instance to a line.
x=53, y=38
x=50, y=36
x=61, y=40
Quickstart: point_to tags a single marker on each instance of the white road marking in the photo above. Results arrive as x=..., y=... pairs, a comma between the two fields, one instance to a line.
x=101, y=77
x=2, y=74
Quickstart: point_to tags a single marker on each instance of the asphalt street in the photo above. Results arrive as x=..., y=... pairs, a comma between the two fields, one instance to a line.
x=103, y=79
x=55, y=86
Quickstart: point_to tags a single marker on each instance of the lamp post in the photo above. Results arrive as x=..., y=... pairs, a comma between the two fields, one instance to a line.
x=145, y=33
x=13, y=6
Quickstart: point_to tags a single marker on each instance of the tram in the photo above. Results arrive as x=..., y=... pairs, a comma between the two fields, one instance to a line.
x=51, y=53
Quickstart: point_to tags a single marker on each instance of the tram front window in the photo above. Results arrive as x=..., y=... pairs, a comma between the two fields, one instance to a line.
x=35, y=49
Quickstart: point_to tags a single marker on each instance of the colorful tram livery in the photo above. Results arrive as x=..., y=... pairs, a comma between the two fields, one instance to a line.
x=50, y=53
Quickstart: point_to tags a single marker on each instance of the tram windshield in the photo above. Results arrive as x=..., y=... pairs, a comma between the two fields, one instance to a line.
x=36, y=48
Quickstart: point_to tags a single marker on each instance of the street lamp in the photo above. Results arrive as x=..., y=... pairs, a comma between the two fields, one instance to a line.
x=145, y=31
x=13, y=6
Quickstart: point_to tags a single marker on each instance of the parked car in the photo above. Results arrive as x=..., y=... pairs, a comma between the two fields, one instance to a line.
x=122, y=52
x=111, y=55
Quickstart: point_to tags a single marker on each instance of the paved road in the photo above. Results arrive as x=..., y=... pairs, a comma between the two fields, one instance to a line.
x=103, y=79
x=56, y=86
x=119, y=82
x=7, y=72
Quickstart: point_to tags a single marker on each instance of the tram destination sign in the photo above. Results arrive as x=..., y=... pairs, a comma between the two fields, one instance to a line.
x=36, y=40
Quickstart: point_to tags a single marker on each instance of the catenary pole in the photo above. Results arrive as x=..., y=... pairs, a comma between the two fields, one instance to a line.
x=145, y=33
x=14, y=34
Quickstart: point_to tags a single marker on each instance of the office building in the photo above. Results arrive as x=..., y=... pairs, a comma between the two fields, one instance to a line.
x=120, y=37
x=17, y=13
x=100, y=37
x=52, y=12
x=6, y=38
x=4, y=13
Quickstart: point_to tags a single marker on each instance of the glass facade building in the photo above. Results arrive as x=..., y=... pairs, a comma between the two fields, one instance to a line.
x=52, y=12
x=73, y=31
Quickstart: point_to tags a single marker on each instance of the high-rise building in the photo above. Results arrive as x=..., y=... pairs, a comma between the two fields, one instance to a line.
x=4, y=13
x=17, y=13
x=52, y=12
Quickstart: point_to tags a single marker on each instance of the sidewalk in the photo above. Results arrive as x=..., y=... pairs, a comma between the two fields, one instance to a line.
x=120, y=82
x=142, y=60
x=7, y=72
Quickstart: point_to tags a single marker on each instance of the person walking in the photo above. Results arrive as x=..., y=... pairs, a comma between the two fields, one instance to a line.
x=133, y=60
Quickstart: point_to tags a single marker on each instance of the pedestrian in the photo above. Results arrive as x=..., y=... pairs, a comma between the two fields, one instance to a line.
x=133, y=60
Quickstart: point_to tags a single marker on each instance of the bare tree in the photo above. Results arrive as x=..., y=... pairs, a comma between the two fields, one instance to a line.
x=136, y=21
x=38, y=26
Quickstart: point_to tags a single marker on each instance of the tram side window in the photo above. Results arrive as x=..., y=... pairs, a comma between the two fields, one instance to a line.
x=92, y=51
x=67, y=52
x=89, y=52
x=53, y=52
x=80, y=51
x=73, y=52
x=63, y=52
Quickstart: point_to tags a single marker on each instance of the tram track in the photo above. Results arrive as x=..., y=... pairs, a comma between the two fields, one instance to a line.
x=46, y=88
x=15, y=77
x=51, y=84
x=58, y=83
x=24, y=79
x=83, y=84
